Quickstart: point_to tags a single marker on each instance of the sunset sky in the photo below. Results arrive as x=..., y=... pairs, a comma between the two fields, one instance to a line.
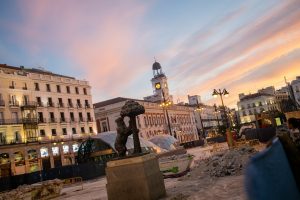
x=238, y=45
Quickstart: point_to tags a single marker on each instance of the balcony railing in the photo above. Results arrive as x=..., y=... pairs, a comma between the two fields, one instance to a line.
x=63, y=120
x=40, y=104
x=60, y=105
x=2, y=103
x=87, y=106
x=90, y=119
x=81, y=119
x=79, y=105
x=42, y=120
x=30, y=120
x=52, y=120
x=29, y=103
x=12, y=87
x=13, y=103
x=70, y=105
x=72, y=120
x=10, y=121
x=50, y=104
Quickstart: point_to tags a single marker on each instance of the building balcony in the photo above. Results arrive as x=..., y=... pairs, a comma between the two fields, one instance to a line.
x=13, y=103
x=81, y=119
x=32, y=139
x=50, y=104
x=11, y=87
x=90, y=119
x=30, y=120
x=60, y=105
x=87, y=106
x=42, y=120
x=72, y=120
x=79, y=105
x=10, y=121
x=11, y=142
x=29, y=104
x=70, y=105
x=63, y=120
x=40, y=104
x=52, y=120
x=2, y=103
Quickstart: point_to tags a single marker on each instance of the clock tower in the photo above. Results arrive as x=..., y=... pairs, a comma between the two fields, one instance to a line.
x=159, y=85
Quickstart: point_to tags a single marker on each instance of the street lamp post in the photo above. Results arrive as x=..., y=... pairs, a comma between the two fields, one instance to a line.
x=222, y=93
x=199, y=109
x=216, y=112
x=164, y=105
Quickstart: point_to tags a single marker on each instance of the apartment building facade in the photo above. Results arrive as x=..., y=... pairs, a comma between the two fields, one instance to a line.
x=43, y=117
x=251, y=105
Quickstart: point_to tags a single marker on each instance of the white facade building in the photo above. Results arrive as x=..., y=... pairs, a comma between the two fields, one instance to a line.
x=50, y=112
x=153, y=122
x=252, y=104
x=296, y=89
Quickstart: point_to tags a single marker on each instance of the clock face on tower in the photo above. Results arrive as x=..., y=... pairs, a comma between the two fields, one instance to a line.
x=157, y=86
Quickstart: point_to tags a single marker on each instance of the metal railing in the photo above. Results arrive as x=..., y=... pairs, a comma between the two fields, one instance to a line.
x=10, y=121
x=30, y=120
x=52, y=120
x=50, y=104
x=60, y=105
x=42, y=120
x=81, y=119
x=29, y=103
x=63, y=120
x=2, y=103
x=70, y=105
x=90, y=119
x=40, y=104
x=13, y=103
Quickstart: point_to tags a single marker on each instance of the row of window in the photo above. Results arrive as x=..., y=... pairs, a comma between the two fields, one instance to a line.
x=49, y=88
x=50, y=102
x=61, y=104
x=64, y=131
x=257, y=104
x=63, y=118
x=255, y=111
x=52, y=116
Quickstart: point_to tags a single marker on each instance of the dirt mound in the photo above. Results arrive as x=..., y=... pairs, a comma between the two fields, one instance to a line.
x=230, y=162
x=226, y=163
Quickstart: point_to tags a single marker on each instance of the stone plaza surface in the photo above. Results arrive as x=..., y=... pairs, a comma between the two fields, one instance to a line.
x=195, y=185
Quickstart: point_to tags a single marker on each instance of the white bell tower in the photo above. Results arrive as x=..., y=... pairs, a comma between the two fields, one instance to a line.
x=159, y=85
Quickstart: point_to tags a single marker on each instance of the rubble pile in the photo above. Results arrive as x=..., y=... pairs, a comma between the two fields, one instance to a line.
x=43, y=190
x=230, y=162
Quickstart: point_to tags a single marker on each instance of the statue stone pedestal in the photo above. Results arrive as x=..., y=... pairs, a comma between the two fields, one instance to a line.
x=135, y=178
